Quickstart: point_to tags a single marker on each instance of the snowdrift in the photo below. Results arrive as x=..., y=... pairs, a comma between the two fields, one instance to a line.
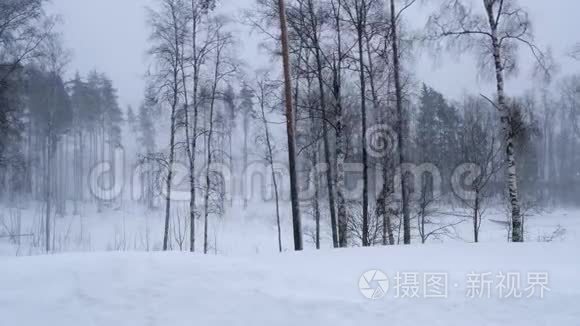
x=311, y=288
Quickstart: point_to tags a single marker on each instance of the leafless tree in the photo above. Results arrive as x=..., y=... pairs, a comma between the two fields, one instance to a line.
x=481, y=148
x=53, y=61
x=223, y=67
x=169, y=29
x=290, y=127
x=357, y=12
x=401, y=146
x=497, y=33
x=337, y=67
x=200, y=47
x=313, y=154
x=355, y=227
x=308, y=22
x=430, y=218
x=265, y=92
x=23, y=27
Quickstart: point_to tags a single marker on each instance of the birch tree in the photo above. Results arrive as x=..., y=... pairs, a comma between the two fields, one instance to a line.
x=337, y=67
x=168, y=39
x=497, y=30
x=357, y=12
x=401, y=145
x=223, y=67
x=196, y=21
x=308, y=26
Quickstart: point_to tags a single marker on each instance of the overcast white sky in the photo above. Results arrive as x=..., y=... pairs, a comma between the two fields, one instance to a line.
x=111, y=36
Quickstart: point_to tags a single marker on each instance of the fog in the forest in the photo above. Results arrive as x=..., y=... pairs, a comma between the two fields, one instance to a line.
x=416, y=125
x=289, y=162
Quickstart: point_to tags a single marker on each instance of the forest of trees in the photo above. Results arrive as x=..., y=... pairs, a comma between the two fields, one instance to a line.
x=53, y=130
x=360, y=127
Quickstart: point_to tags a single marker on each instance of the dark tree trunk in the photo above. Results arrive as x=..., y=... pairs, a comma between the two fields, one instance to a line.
x=400, y=127
x=327, y=156
x=340, y=137
x=365, y=209
x=296, y=220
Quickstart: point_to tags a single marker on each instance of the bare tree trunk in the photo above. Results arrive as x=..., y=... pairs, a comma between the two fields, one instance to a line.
x=327, y=157
x=314, y=158
x=275, y=182
x=77, y=170
x=209, y=145
x=401, y=127
x=271, y=162
x=191, y=157
x=194, y=144
x=512, y=177
x=102, y=195
x=278, y=223
x=361, y=12
x=296, y=220
x=174, y=104
x=208, y=176
x=189, y=138
x=169, y=179
x=58, y=178
x=48, y=190
x=340, y=137
x=246, y=127
x=340, y=181
x=231, y=159
x=387, y=229
x=476, y=218
x=82, y=167
x=316, y=203
x=388, y=237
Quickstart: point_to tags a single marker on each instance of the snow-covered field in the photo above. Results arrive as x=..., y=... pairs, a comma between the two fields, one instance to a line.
x=108, y=271
x=311, y=288
x=240, y=232
x=134, y=228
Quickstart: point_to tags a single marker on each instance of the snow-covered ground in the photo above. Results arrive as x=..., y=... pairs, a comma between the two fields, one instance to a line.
x=108, y=271
x=310, y=288
x=131, y=227
x=251, y=231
